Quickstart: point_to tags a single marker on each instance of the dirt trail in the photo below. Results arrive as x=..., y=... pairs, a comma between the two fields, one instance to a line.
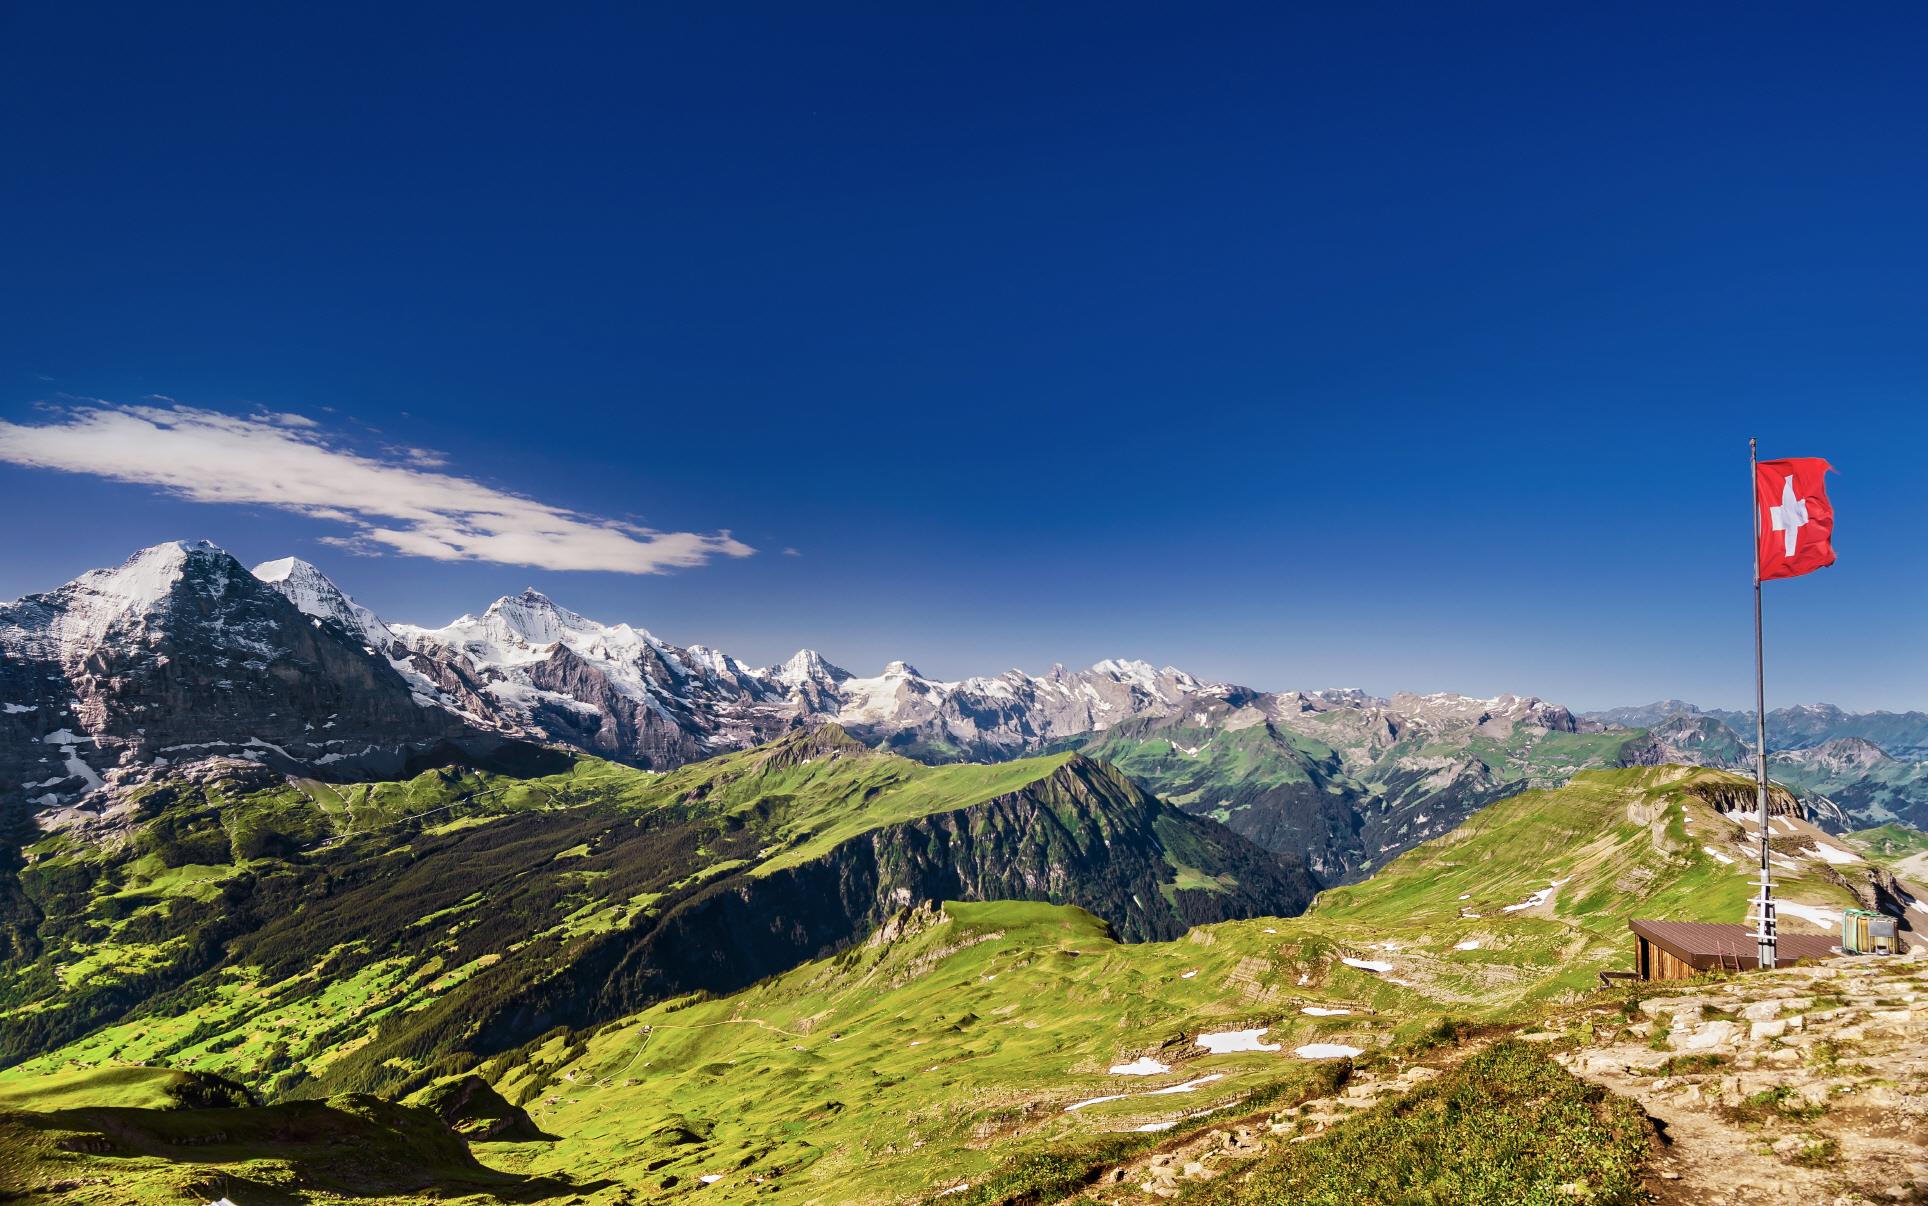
x=1803, y=1086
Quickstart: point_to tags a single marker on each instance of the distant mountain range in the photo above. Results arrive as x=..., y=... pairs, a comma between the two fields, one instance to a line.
x=1867, y=766
x=182, y=654
x=1900, y=734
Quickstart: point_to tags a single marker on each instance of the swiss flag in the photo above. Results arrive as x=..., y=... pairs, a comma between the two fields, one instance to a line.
x=1793, y=521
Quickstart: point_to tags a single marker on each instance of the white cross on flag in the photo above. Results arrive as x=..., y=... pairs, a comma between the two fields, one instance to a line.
x=1794, y=523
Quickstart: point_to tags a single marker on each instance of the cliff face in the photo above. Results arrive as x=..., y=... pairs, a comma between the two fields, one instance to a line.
x=182, y=653
x=1084, y=835
x=1734, y=795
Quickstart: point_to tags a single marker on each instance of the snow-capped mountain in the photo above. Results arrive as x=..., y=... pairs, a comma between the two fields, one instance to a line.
x=622, y=692
x=527, y=666
x=612, y=689
x=310, y=590
x=181, y=653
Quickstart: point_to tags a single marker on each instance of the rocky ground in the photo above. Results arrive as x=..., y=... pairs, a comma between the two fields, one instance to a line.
x=1806, y=1086
x=1802, y=1085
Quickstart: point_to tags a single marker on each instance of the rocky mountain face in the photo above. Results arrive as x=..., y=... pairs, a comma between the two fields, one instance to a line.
x=1345, y=777
x=181, y=653
x=1699, y=740
x=529, y=665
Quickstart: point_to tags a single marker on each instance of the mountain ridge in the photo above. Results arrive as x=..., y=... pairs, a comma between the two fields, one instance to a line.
x=1345, y=776
x=621, y=887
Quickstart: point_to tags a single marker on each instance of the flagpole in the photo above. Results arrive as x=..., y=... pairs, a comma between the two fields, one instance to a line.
x=1764, y=909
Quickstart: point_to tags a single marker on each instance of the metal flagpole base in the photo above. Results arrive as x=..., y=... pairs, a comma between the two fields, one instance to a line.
x=1764, y=917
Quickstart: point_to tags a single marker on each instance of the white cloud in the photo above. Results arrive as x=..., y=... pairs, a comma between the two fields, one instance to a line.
x=397, y=504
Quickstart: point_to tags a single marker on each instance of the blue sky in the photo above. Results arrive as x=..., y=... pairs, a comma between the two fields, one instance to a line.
x=1404, y=347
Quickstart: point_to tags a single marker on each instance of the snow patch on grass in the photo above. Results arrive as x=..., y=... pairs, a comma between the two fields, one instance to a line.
x=1144, y=1065
x=1192, y=1085
x=1229, y=1041
x=1537, y=899
x=1825, y=918
x=1834, y=856
x=1075, y=1106
x=1325, y=1051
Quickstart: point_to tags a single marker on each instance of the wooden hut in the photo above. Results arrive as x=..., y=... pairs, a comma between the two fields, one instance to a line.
x=1681, y=950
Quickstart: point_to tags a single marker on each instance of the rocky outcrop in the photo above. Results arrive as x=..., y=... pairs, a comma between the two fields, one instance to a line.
x=1738, y=796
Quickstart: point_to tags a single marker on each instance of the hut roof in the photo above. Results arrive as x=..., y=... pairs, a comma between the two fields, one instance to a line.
x=1707, y=946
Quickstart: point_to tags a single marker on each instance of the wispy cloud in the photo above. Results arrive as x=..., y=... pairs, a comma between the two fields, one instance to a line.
x=394, y=501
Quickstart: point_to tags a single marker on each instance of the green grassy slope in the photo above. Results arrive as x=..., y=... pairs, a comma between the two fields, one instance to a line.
x=137, y=1087
x=949, y=1055
x=932, y=1056
x=1509, y=1125
x=1889, y=843
x=950, y=1049
x=1636, y=842
x=400, y=932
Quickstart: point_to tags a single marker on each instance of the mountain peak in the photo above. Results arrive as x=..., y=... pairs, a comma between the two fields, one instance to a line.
x=283, y=568
x=901, y=669
x=315, y=594
x=809, y=666
x=535, y=617
x=99, y=600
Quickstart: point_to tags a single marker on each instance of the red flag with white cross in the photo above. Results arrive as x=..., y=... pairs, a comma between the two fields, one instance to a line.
x=1793, y=521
